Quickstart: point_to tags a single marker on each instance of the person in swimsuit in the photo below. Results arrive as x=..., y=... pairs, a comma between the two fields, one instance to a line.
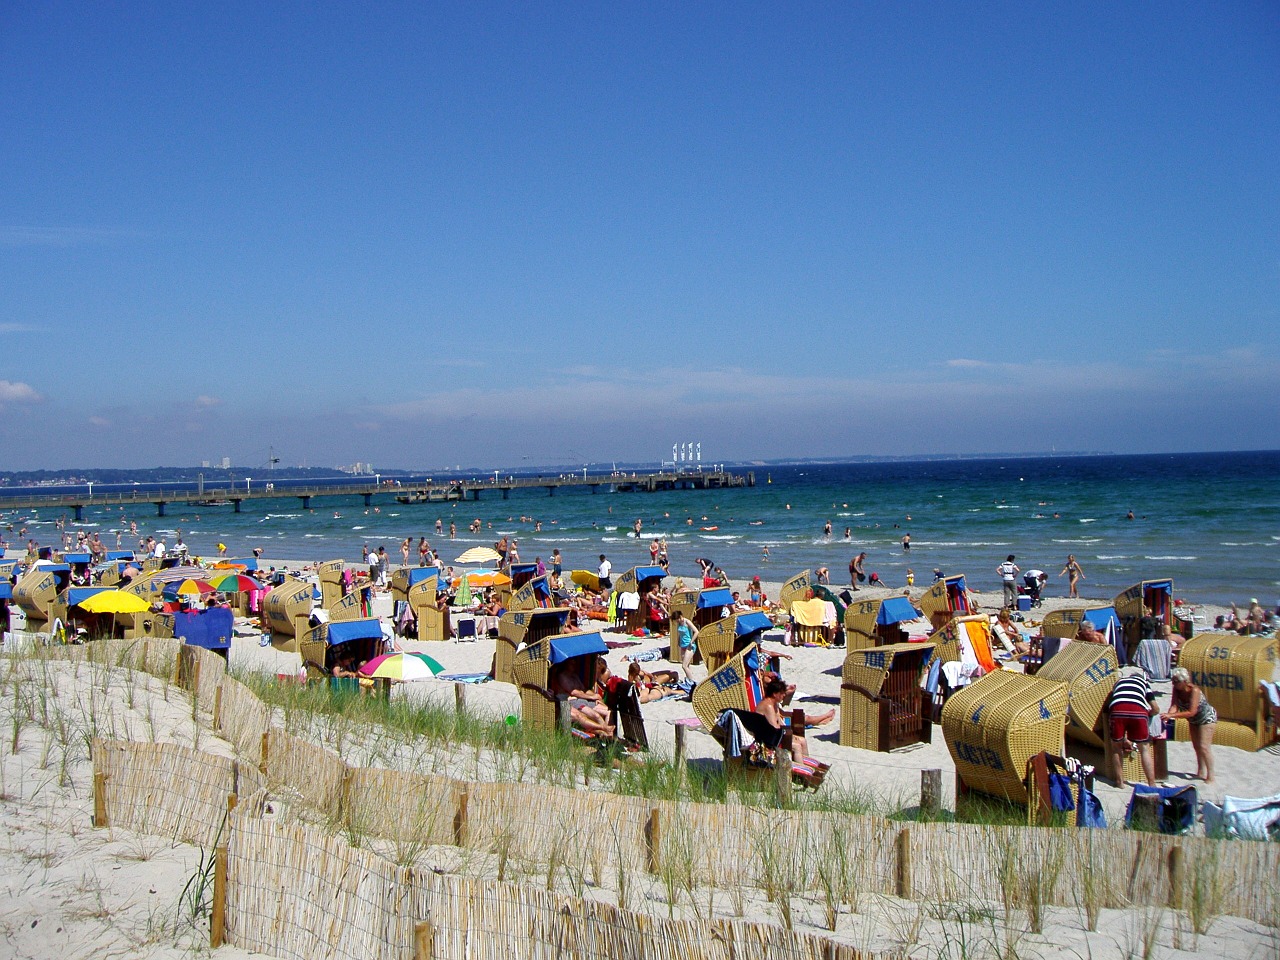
x=1073, y=573
x=1190, y=704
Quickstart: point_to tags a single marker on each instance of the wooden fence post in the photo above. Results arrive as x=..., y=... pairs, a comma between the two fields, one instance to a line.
x=344, y=797
x=217, y=710
x=902, y=871
x=460, y=699
x=218, y=917
x=564, y=719
x=1177, y=876
x=195, y=679
x=262, y=761
x=232, y=801
x=681, y=750
x=930, y=792
x=100, y=799
x=782, y=776
x=460, y=815
x=653, y=840
x=423, y=937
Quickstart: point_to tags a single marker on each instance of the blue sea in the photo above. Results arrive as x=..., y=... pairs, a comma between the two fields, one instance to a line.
x=1209, y=521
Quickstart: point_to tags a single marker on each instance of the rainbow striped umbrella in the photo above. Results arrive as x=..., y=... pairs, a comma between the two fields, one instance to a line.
x=235, y=583
x=188, y=588
x=402, y=666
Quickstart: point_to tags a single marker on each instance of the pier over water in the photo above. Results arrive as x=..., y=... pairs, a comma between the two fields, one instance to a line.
x=412, y=492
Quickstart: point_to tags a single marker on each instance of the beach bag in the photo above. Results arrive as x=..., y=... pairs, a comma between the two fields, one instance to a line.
x=1090, y=813
x=1170, y=810
x=1060, y=792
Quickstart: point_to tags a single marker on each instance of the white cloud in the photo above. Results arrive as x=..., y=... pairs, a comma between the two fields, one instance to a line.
x=206, y=401
x=17, y=328
x=99, y=421
x=17, y=393
x=964, y=363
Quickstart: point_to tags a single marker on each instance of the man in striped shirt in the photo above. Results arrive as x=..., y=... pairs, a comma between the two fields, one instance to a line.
x=1129, y=709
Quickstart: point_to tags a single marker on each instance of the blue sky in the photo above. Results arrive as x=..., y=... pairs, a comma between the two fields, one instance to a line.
x=495, y=234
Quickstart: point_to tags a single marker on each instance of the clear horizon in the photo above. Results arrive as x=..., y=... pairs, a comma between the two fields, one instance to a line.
x=571, y=234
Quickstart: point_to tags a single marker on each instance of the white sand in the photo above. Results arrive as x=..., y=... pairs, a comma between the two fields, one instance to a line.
x=73, y=891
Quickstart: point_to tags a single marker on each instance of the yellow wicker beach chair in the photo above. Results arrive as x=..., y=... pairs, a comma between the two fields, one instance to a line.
x=701, y=608
x=638, y=580
x=286, y=613
x=947, y=598
x=799, y=587
x=965, y=638
x=737, y=686
x=34, y=594
x=719, y=641
x=1090, y=671
x=875, y=623
x=1228, y=669
x=528, y=627
x=331, y=592
x=809, y=626
x=317, y=646
x=533, y=595
x=1156, y=594
x=882, y=706
x=994, y=726
x=533, y=667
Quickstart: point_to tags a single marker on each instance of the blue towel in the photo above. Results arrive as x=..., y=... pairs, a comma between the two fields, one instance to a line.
x=465, y=677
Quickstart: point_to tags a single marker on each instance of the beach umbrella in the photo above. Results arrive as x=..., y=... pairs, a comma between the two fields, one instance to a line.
x=235, y=583
x=113, y=602
x=402, y=666
x=479, y=579
x=585, y=578
x=480, y=555
x=463, y=597
x=188, y=588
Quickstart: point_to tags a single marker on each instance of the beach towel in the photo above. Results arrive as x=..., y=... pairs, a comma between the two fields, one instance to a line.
x=465, y=677
x=644, y=656
x=1244, y=819
x=809, y=613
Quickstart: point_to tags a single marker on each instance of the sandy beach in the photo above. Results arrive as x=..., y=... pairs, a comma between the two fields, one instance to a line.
x=118, y=892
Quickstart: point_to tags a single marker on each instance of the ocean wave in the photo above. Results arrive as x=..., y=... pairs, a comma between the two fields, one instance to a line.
x=282, y=516
x=1170, y=558
x=541, y=539
x=361, y=527
x=720, y=536
x=312, y=536
x=1088, y=519
x=1116, y=557
x=1085, y=540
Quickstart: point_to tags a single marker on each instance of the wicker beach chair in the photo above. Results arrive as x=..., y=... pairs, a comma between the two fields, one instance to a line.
x=799, y=587
x=1229, y=669
x=638, y=580
x=737, y=686
x=947, y=598
x=875, y=623
x=965, y=639
x=519, y=575
x=35, y=592
x=811, y=624
x=701, y=608
x=532, y=672
x=331, y=588
x=533, y=595
x=882, y=706
x=527, y=627
x=318, y=645
x=286, y=613
x=356, y=605
x=719, y=641
x=994, y=726
x=1156, y=594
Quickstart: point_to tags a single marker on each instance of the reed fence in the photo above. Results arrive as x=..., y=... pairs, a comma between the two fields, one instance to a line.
x=720, y=842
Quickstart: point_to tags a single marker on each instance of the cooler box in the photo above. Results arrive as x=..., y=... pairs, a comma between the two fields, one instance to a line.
x=1024, y=604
